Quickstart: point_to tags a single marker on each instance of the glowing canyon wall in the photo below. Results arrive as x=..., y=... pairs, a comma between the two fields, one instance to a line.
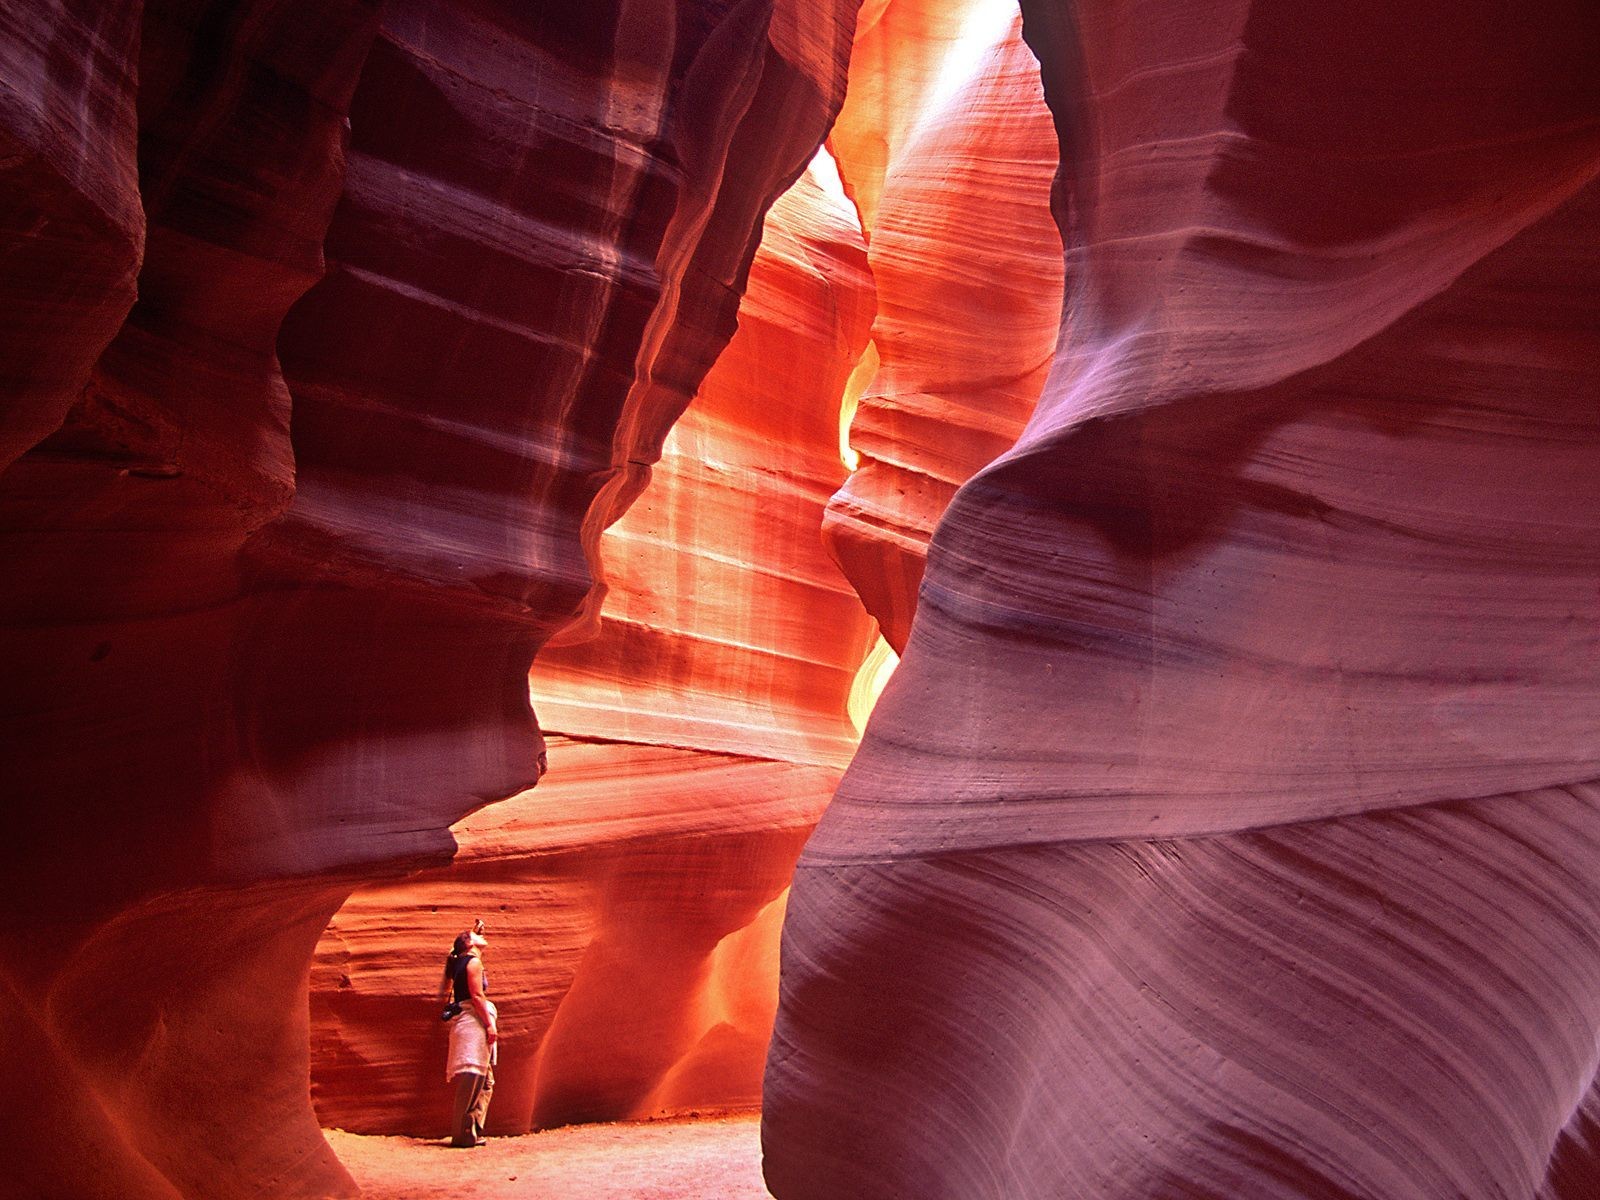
x=633, y=899
x=721, y=672
x=1231, y=826
x=948, y=147
x=333, y=338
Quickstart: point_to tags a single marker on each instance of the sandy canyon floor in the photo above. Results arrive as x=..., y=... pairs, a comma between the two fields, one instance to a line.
x=709, y=1159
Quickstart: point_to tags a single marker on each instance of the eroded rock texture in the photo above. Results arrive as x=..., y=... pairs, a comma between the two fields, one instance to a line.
x=726, y=626
x=634, y=899
x=280, y=551
x=947, y=145
x=68, y=129
x=634, y=933
x=1228, y=828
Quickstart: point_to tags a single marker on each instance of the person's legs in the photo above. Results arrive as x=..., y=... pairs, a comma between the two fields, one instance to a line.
x=478, y=1110
x=466, y=1113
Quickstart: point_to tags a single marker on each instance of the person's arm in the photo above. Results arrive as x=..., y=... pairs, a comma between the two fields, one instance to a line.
x=480, y=1002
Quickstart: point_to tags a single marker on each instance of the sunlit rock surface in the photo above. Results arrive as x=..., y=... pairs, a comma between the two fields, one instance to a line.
x=633, y=904
x=946, y=142
x=1228, y=828
x=726, y=626
x=418, y=298
x=634, y=899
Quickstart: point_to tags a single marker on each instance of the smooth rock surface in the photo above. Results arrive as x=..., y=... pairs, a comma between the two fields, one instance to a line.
x=967, y=263
x=1227, y=829
x=634, y=899
x=418, y=300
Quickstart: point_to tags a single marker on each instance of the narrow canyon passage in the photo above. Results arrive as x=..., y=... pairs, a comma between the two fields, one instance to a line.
x=1051, y=551
x=695, y=731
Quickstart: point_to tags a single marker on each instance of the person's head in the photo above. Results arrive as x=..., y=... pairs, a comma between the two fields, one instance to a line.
x=469, y=940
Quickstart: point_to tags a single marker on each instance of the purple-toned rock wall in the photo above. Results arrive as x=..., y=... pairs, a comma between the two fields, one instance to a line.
x=332, y=340
x=1229, y=828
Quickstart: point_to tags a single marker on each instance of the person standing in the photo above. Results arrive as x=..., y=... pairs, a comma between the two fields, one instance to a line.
x=474, y=1036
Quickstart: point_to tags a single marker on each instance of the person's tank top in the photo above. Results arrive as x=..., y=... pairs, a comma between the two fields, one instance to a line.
x=458, y=972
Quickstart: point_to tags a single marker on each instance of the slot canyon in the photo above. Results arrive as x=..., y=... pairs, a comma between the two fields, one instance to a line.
x=1015, y=587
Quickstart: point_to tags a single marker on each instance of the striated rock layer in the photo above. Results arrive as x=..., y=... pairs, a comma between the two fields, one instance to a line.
x=280, y=551
x=726, y=626
x=1228, y=828
x=967, y=263
x=634, y=899
x=633, y=924
x=69, y=204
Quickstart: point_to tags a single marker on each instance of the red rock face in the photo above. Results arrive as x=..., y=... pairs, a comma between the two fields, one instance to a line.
x=68, y=130
x=633, y=924
x=1231, y=828
x=1298, y=553
x=967, y=263
x=726, y=627
x=278, y=558
x=634, y=899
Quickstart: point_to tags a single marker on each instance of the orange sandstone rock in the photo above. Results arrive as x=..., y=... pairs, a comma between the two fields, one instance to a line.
x=633, y=928
x=726, y=626
x=634, y=899
x=968, y=268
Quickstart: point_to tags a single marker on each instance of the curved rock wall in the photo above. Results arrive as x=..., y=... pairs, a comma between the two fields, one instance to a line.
x=267, y=630
x=1228, y=828
x=69, y=204
x=726, y=627
x=633, y=900
x=968, y=268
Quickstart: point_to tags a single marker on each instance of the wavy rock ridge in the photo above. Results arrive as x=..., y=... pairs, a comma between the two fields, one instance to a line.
x=634, y=899
x=419, y=294
x=1227, y=829
x=1230, y=828
x=948, y=148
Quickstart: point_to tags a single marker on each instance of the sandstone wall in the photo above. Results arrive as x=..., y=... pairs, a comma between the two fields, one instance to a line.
x=1229, y=826
x=634, y=898
x=332, y=340
x=948, y=147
